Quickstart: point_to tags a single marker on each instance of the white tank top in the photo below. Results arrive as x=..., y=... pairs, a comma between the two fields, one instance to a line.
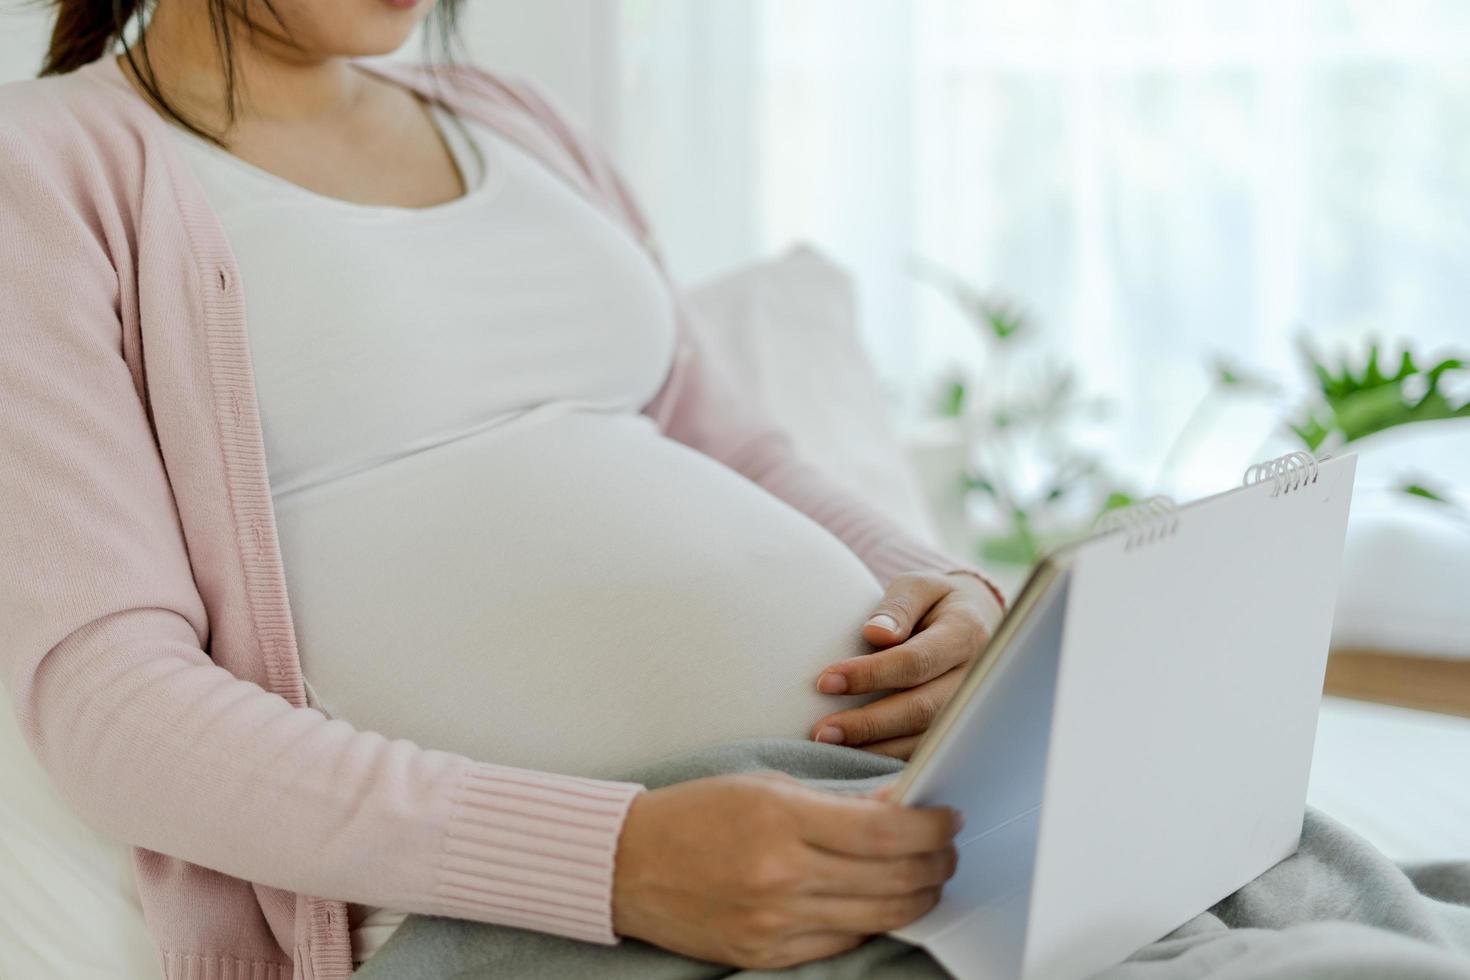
x=487, y=548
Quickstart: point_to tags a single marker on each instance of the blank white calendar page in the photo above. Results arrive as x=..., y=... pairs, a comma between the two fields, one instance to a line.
x=1191, y=673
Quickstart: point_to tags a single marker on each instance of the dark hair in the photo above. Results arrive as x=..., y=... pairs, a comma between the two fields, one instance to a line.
x=85, y=30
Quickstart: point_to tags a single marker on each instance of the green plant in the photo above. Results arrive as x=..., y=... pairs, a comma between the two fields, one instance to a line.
x=1028, y=469
x=1037, y=485
x=1359, y=400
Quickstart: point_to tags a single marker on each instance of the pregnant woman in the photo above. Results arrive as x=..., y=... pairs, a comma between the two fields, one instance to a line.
x=530, y=538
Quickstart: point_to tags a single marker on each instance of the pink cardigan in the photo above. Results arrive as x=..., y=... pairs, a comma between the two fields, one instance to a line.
x=145, y=633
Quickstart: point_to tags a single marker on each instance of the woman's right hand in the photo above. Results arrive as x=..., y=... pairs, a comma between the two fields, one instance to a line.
x=760, y=871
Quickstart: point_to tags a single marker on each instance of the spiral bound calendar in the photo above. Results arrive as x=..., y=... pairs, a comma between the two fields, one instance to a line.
x=1134, y=743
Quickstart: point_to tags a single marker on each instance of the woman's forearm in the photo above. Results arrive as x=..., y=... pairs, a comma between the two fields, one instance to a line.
x=152, y=744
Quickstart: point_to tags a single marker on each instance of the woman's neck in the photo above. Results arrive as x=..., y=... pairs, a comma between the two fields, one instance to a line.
x=275, y=81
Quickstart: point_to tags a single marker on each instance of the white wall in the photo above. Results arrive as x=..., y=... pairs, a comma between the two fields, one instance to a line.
x=23, y=33
x=567, y=45
x=690, y=140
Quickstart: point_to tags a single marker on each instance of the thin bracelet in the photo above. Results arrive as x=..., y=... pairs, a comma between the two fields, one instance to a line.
x=988, y=584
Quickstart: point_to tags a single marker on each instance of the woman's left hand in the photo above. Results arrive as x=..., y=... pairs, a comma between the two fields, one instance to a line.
x=929, y=627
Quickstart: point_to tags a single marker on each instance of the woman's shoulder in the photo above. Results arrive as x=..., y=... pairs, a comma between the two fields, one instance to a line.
x=62, y=121
x=74, y=152
x=29, y=98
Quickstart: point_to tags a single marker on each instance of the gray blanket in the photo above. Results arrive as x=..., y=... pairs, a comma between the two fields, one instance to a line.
x=1338, y=909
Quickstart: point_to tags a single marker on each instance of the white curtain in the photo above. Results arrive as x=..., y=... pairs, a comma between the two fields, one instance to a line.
x=1157, y=182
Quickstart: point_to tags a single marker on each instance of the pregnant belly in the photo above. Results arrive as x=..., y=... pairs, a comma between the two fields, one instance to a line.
x=571, y=591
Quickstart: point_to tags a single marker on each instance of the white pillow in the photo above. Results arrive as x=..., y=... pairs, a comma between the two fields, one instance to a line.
x=787, y=329
x=1407, y=560
x=68, y=905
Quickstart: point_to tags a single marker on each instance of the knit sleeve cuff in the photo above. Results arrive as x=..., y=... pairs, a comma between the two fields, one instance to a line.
x=534, y=850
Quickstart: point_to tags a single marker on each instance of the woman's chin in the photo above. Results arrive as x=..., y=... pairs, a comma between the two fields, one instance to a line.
x=370, y=43
x=372, y=28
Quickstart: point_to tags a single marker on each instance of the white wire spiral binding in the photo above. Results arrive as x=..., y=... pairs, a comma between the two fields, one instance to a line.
x=1286, y=473
x=1142, y=523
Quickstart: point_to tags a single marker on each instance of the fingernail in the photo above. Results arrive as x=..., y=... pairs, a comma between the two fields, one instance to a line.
x=884, y=622
x=832, y=683
x=959, y=820
x=830, y=733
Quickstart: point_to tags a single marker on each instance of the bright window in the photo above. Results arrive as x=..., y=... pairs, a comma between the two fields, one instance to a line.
x=1156, y=183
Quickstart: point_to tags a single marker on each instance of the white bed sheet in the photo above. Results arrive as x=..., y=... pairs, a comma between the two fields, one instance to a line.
x=1396, y=776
